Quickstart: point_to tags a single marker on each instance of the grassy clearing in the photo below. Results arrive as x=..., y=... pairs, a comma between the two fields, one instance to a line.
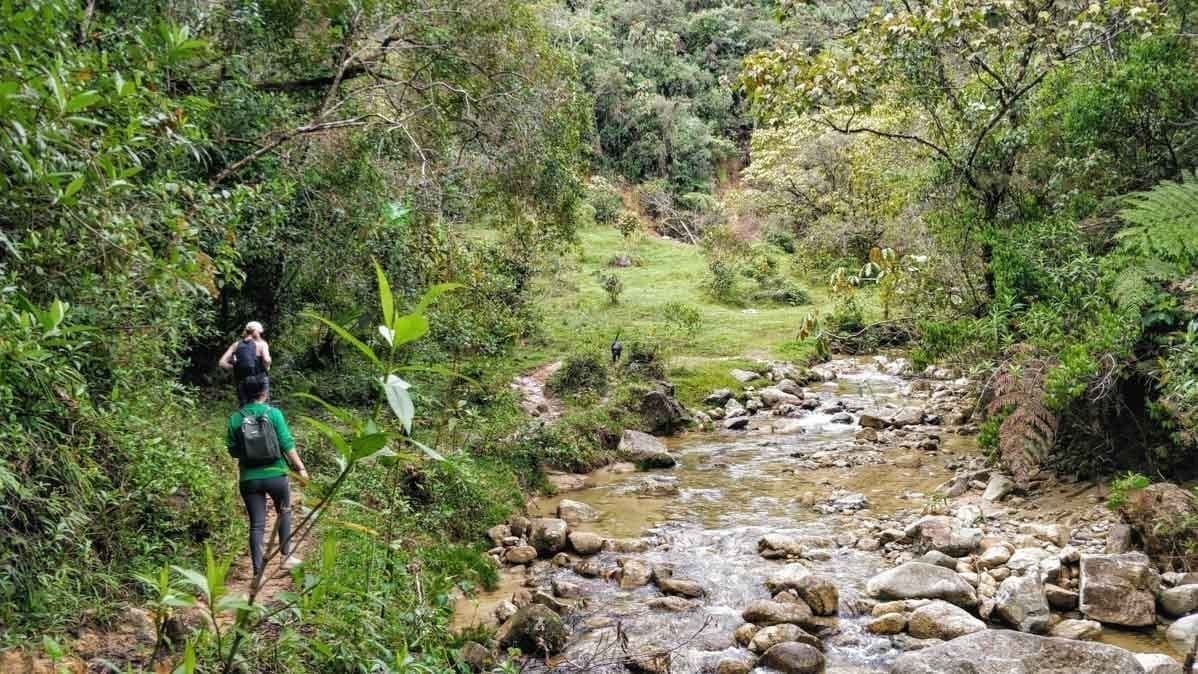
x=579, y=316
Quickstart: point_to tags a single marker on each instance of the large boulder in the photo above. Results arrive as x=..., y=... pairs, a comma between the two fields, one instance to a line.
x=916, y=580
x=585, y=542
x=779, y=546
x=1183, y=633
x=576, y=511
x=635, y=573
x=663, y=414
x=768, y=637
x=535, y=629
x=1118, y=589
x=1071, y=628
x=773, y=396
x=793, y=657
x=942, y=620
x=944, y=534
x=744, y=376
x=719, y=397
x=1160, y=516
x=548, y=535
x=1178, y=601
x=645, y=449
x=1020, y=602
x=998, y=487
x=817, y=591
x=768, y=612
x=1009, y=652
x=1159, y=663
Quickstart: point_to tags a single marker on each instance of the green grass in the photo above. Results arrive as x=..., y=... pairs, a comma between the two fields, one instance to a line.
x=579, y=317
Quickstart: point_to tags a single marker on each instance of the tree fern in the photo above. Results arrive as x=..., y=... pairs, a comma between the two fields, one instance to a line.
x=1029, y=430
x=1160, y=243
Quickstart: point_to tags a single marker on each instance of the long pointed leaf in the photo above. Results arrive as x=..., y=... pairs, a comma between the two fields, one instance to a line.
x=400, y=400
x=342, y=415
x=386, y=300
x=433, y=293
x=331, y=433
x=407, y=328
x=344, y=334
x=429, y=451
x=437, y=369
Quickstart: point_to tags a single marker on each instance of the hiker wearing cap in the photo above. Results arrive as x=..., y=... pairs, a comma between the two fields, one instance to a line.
x=258, y=437
x=249, y=358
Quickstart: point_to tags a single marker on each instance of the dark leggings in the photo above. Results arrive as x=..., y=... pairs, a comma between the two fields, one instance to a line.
x=254, y=492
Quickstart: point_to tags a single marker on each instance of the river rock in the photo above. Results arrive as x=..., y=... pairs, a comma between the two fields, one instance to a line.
x=719, y=397
x=576, y=511
x=772, y=397
x=585, y=542
x=939, y=559
x=520, y=554
x=1021, y=603
x=736, y=423
x=548, y=535
x=1178, y=601
x=672, y=604
x=734, y=666
x=1059, y=598
x=635, y=573
x=1181, y=634
x=645, y=449
x=1086, y=630
x=818, y=592
x=567, y=590
x=994, y=556
x=663, y=414
x=1024, y=559
x=684, y=588
x=476, y=656
x=1159, y=663
x=793, y=657
x=942, y=620
x=907, y=417
x=498, y=533
x=940, y=532
x=888, y=623
x=790, y=386
x=870, y=421
x=768, y=637
x=998, y=488
x=744, y=634
x=533, y=629
x=916, y=580
x=1118, y=539
x=1118, y=589
x=1010, y=652
x=767, y=612
x=743, y=376
x=778, y=546
x=1160, y=516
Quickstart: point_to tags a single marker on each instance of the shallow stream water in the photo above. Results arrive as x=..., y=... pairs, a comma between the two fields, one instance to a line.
x=734, y=487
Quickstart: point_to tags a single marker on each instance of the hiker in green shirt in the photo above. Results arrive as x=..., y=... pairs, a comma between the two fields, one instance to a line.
x=258, y=479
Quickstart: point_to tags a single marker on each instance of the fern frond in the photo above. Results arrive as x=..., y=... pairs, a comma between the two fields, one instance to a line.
x=1163, y=222
x=1029, y=431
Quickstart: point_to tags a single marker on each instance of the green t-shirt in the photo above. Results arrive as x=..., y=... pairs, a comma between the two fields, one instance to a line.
x=286, y=442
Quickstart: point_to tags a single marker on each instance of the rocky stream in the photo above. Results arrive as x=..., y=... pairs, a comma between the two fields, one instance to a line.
x=844, y=524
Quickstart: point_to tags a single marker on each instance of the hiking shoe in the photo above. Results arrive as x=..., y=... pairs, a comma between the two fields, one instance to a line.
x=291, y=562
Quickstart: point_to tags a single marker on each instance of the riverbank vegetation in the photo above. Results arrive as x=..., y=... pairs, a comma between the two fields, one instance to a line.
x=1000, y=189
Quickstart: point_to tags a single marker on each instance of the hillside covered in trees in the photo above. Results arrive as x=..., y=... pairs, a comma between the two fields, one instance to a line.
x=445, y=213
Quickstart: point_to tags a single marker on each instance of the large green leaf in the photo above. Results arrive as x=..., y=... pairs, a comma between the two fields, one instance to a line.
x=386, y=299
x=433, y=293
x=399, y=399
x=365, y=446
x=344, y=334
x=409, y=327
x=343, y=415
x=331, y=433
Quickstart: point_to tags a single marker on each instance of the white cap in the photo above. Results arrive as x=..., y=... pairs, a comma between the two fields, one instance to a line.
x=254, y=326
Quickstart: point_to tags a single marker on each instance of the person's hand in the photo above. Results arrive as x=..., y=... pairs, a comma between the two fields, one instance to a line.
x=303, y=476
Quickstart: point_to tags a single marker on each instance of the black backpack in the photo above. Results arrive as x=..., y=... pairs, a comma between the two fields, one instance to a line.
x=245, y=359
x=257, y=441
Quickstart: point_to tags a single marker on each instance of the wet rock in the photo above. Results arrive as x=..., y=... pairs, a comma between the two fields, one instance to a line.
x=1059, y=598
x=767, y=612
x=843, y=502
x=653, y=486
x=818, y=592
x=719, y=397
x=655, y=661
x=1085, y=630
x=585, y=542
x=635, y=573
x=888, y=623
x=907, y=417
x=743, y=376
x=672, y=604
x=476, y=656
x=504, y=610
x=1158, y=663
x=1178, y=601
x=498, y=533
x=548, y=535
x=734, y=666
x=1118, y=589
x=841, y=418
x=626, y=545
x=645, y=450
x=772, y=396
x=542, y=598
x=1181, y=634
x=916, y=580
x=779, y=546
x=576, y=511
x=563, y=482
x=744, y=634
x=870, y=421
x=939, y=559
x=909, y=461
x=736, y=423
x=1010, y=652
x=521, y=554
x=533, y=629
x=1020, y=602
x=663, y=414
x=794, y=658
x=942, y=620
x=768, y=637
x=590, y=568
x=790, y=386
x=567, y=590
x=1160, y=517
x=998, y=488
x=683, y=588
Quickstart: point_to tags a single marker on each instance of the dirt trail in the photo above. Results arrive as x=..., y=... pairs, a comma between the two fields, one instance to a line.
x=534, y=397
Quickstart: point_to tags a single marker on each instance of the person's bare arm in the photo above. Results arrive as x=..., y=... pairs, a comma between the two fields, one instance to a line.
x=226, y=361
x=264, y=354
x=297, y=464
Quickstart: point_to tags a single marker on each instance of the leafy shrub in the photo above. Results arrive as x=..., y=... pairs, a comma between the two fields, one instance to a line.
x=603, y=196
x=628, y=223
x=580, y=373
x=644, y=360
x=682, y=317
x=1129, y=481
x=784, y=292
x=613, y=286
x=846, y=317
x=721, y=280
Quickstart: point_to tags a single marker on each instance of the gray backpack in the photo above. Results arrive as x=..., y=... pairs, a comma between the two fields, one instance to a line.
x=257, y=441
